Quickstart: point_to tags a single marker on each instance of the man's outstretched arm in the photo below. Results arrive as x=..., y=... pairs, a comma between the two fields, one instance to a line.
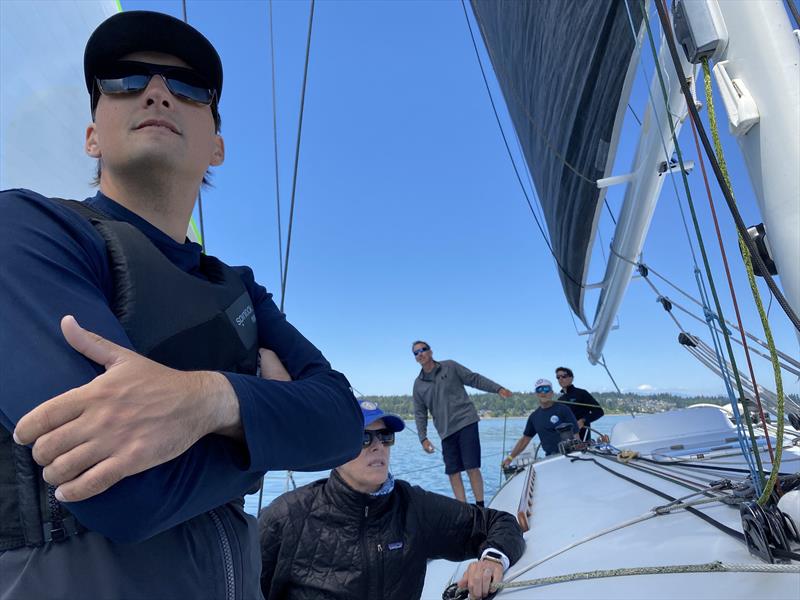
x=479, y=382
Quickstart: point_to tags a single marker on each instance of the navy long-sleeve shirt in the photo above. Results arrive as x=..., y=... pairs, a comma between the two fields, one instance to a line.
x=583, y=406
x=53, y=263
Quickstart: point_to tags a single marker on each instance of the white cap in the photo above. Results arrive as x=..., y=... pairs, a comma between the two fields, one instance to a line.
x=541, y=382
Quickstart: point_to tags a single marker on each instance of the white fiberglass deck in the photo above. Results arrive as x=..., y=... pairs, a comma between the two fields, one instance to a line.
x=573, y=500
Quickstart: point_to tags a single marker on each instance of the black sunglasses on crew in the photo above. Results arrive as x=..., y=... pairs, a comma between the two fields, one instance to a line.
x=563, y=376
x=132, y=77
x=419, y=351
x=384, y=436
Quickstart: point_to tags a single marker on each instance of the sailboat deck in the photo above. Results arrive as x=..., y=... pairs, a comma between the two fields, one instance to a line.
x=575, y=499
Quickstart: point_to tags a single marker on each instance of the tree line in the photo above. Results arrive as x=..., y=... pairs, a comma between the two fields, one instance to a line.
x=522, y=404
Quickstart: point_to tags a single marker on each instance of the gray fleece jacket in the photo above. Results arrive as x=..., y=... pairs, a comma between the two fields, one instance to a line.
x=441, y=392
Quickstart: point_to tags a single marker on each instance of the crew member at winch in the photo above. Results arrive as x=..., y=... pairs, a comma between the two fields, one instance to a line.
x=129, y=358
x=544, y=422
x=583, y=405
x=361, y=534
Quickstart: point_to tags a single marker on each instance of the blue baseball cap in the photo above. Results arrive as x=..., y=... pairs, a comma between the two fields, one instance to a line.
x=372, y=413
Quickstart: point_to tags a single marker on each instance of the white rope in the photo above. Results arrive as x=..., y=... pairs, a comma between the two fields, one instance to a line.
x=712, y=567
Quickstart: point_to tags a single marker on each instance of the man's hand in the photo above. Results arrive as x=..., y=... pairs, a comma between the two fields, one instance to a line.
x=427, y=446
x=136, y=415
x=479, y=577
x=271, y=366
x=506, y=461
x=504, y=392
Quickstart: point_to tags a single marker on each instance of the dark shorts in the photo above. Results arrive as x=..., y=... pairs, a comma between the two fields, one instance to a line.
x=462, y=450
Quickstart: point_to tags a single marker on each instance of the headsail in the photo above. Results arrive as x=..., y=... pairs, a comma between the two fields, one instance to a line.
x=563, y=66
x=44, y=107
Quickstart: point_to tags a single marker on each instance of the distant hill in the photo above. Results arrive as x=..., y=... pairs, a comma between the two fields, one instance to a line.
x=521, y=405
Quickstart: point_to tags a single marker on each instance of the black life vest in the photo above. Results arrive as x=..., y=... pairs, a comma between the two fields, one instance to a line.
x=170, y=316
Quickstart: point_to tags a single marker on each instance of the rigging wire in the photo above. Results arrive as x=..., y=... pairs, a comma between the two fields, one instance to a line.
x=705, y=355
x=734, y=299
x=737, y=217
x=769, y=305
x=199, y=192
x=635, y=116
x=651, y=270
x=698, y=278
x=611, y=214
x=297, y=156
x=756, y=298
x=275, y=145
x=712, y=324
x=791, y=365
x=289, y=475
x=602, y=363
x=511, y=157
x=794, y=11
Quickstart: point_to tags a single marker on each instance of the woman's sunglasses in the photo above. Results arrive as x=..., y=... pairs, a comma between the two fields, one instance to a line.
x=131, y=77
x=384, y=436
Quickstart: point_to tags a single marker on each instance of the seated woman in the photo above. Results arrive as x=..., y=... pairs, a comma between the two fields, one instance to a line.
x=363, y=534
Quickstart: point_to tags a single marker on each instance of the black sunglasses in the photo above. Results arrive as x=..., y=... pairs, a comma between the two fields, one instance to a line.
x=544, y=389
x=562, y=376
x=384, y=436
x=419, y=351
x=131, y=77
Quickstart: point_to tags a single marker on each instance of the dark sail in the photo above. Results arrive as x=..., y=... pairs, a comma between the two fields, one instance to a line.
x=562, y=66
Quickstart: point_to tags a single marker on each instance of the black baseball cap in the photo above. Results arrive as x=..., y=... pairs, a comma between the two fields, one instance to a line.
x=147, y=31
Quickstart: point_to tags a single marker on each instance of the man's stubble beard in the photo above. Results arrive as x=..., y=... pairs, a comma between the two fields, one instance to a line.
x=154, y=179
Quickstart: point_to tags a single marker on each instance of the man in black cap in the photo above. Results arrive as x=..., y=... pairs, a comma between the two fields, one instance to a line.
x=135, y=439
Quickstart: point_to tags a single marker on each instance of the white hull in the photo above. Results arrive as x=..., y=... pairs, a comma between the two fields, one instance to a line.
x=573, y=501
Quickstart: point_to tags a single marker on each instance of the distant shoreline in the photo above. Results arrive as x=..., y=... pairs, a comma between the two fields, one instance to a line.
x=522, y=416
x=523, y=404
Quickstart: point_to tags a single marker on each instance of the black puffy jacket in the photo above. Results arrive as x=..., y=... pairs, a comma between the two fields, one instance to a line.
x=325, y=540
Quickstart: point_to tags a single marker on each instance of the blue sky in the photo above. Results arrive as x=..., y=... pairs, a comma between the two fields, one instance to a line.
x=409, y=221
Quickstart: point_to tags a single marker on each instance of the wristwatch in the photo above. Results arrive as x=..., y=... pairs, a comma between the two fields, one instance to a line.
x=494, y=557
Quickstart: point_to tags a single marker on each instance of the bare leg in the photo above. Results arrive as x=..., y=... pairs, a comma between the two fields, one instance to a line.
x=476, y=481
x=458, y=487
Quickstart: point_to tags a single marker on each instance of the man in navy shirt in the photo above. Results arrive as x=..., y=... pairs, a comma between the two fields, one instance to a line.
x=125, y=476
x=543, y=422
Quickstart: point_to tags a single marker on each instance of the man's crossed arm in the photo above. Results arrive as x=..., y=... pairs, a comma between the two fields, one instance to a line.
x=136, y=415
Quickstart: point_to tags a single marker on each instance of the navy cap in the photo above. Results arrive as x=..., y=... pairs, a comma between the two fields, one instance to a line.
x=147, y=31
x=372, y=413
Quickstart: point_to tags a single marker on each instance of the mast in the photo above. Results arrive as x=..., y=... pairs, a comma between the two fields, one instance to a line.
x=650, y=169
x=759, y=73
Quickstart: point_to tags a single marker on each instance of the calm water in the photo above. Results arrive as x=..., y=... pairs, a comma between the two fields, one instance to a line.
x=410, y=462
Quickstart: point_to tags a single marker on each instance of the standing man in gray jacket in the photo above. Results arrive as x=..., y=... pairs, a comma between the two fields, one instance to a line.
x=439, y=390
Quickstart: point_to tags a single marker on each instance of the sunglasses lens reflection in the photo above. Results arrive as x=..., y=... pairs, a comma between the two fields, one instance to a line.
x=384, y=436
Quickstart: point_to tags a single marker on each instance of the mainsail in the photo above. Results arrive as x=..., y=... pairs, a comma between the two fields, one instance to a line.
x=563, y=67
